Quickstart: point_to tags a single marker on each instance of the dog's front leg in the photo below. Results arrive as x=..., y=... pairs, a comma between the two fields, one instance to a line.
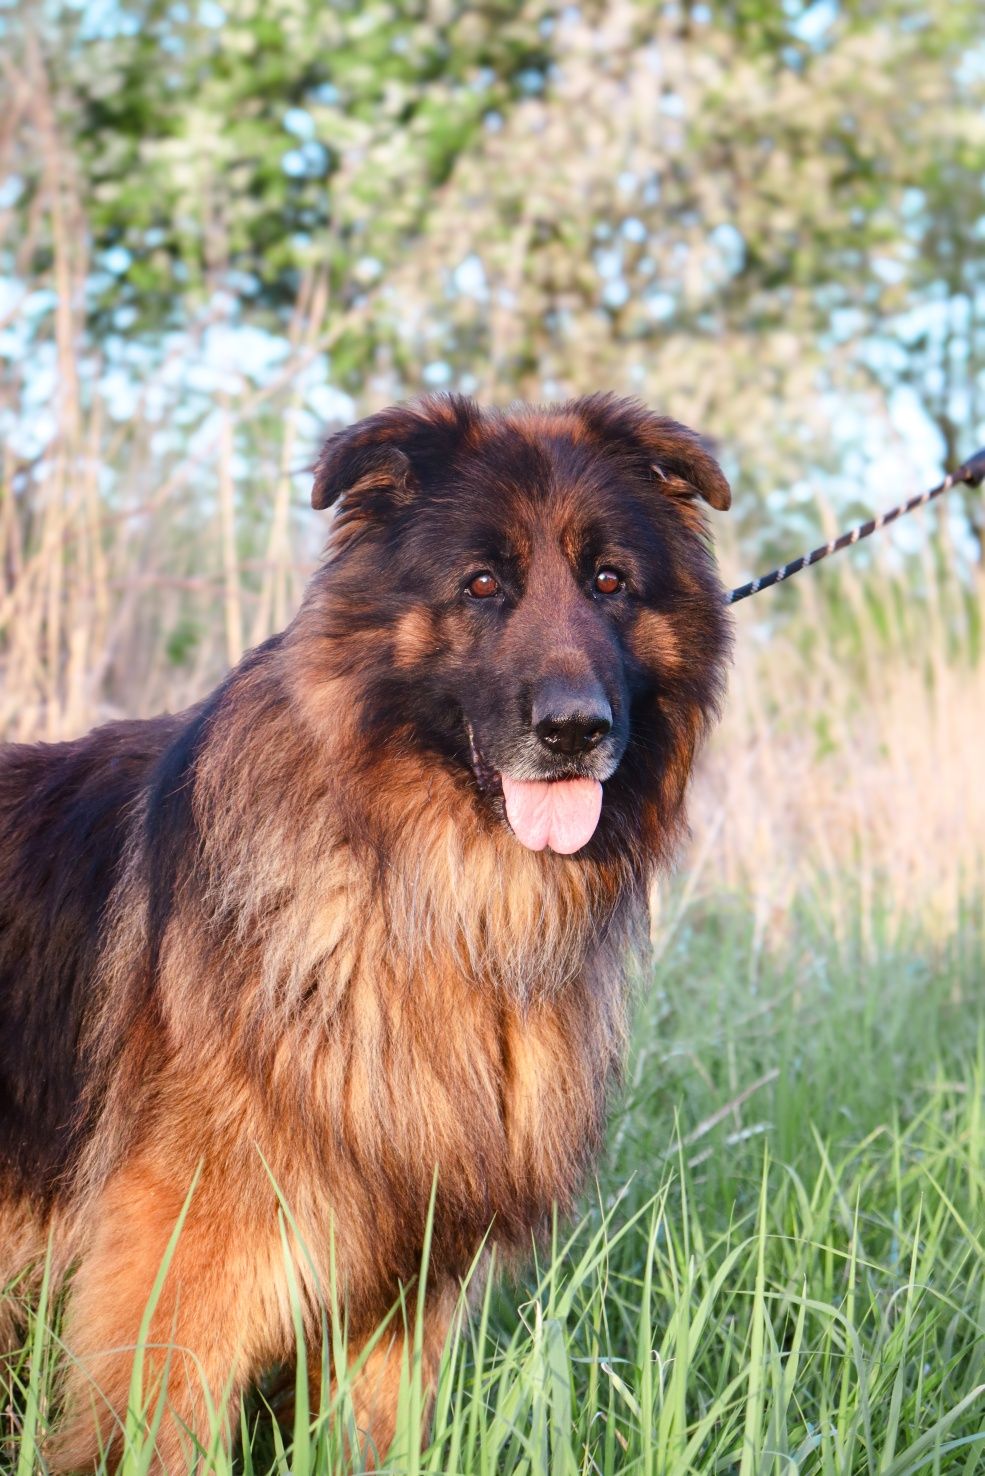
x=215, y=1324
x=377, y=1367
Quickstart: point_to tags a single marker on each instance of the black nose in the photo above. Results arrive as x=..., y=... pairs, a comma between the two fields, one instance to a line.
x=571, y=719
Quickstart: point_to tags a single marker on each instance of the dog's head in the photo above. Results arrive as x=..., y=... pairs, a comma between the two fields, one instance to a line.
x=529, y=598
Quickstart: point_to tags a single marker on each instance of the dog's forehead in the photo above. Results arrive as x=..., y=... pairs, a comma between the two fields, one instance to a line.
x=537, y=484
x=536, y=474
x=525, y=520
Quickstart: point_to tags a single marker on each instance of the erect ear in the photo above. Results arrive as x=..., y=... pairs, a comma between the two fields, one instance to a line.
x=676, y=456
x=380, y=460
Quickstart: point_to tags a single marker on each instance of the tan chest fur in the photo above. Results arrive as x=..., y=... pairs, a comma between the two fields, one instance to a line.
x=433, y=1083
x=454, y=1018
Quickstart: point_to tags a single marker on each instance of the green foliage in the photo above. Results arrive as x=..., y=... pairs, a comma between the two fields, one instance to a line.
x=236, y=145
x=182, y=641
x=763, y=217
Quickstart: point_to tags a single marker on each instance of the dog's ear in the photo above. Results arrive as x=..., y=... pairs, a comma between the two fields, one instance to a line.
x=676, y=457
x=379, y=461
x=365, y=457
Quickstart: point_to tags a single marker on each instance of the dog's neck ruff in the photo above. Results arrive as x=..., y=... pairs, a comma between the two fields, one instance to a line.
x=524, y=922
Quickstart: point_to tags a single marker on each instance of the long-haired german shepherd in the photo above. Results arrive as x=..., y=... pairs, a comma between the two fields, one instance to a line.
x=362, y=917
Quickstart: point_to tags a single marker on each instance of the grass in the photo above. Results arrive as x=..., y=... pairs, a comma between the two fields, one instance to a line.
x=781, y=1267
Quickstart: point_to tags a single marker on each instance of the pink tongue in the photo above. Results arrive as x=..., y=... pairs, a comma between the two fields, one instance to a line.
x=562, y=813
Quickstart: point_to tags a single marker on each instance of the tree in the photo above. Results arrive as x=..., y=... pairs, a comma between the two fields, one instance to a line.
x=234, y=146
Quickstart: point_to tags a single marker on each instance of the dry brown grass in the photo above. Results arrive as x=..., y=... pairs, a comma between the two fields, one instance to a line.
x=848, y=768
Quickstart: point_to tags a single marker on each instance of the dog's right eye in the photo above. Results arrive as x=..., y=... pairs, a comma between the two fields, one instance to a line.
x=481, y=586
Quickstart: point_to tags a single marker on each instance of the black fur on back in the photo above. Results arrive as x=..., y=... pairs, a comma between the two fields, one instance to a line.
x=64, y=816
x=67, y=813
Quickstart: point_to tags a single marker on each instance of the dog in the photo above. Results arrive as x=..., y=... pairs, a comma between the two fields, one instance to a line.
x=361, y=924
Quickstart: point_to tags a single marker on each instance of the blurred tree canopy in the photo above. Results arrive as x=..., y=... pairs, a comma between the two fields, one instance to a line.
x=236, y=145
x=765, y=216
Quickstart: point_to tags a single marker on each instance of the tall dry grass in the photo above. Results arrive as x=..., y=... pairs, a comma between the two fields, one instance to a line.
x=144, y=544
x=849, y=765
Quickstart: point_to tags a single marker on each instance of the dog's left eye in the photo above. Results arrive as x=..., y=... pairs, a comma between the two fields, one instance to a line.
x=608, y=582
x=481, y=586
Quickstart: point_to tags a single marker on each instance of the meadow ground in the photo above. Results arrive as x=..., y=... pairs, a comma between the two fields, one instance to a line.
x=782, y=1266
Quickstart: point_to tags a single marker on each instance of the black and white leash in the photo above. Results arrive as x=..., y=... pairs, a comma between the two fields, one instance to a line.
x=971, y=474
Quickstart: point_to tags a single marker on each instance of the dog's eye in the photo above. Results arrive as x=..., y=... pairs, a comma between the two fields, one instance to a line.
x=481, y=586
x=608, y=582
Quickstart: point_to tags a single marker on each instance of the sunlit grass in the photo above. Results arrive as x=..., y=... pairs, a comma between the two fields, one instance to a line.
x=781, y=1267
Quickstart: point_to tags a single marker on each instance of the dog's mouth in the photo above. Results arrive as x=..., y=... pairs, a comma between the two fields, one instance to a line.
x=560, y=814
x=487, y=778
